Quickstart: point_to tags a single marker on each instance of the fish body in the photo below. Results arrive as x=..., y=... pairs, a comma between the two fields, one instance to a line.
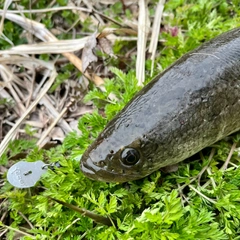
x=187, y=107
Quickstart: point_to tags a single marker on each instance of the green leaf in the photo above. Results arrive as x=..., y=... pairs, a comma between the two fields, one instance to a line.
x=111, y=207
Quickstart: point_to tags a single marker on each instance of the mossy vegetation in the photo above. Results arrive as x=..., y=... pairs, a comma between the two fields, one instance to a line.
x=199, y=201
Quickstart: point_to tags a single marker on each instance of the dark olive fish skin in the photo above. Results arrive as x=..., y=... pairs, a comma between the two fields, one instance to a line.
x=189, y=106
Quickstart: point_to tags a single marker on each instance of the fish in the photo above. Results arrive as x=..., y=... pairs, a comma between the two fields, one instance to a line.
x=191, y=105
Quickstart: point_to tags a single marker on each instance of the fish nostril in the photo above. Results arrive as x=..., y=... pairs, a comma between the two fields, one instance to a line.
x=101, y=163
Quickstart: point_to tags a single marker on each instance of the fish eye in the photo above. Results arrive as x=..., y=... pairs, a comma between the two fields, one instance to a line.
x=130, y=156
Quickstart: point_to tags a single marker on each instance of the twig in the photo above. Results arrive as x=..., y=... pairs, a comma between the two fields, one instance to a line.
x=19, y=231
x=225, y=165
x=26, y=219
x=95, y=217
x=108, y=18
x=31, y=89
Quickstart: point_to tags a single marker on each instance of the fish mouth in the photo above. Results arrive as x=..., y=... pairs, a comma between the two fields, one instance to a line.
x=94, y=172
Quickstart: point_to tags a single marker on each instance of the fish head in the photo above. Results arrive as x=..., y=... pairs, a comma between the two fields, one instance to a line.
x=118, y=156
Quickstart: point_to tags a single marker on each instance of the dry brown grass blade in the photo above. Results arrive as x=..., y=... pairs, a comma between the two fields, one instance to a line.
x=28, y=62
x=48, y=47
x=156, y=31
x=42, y=33
x=141, y=42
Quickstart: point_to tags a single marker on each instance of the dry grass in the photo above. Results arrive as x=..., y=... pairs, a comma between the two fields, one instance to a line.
x=51, y=115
